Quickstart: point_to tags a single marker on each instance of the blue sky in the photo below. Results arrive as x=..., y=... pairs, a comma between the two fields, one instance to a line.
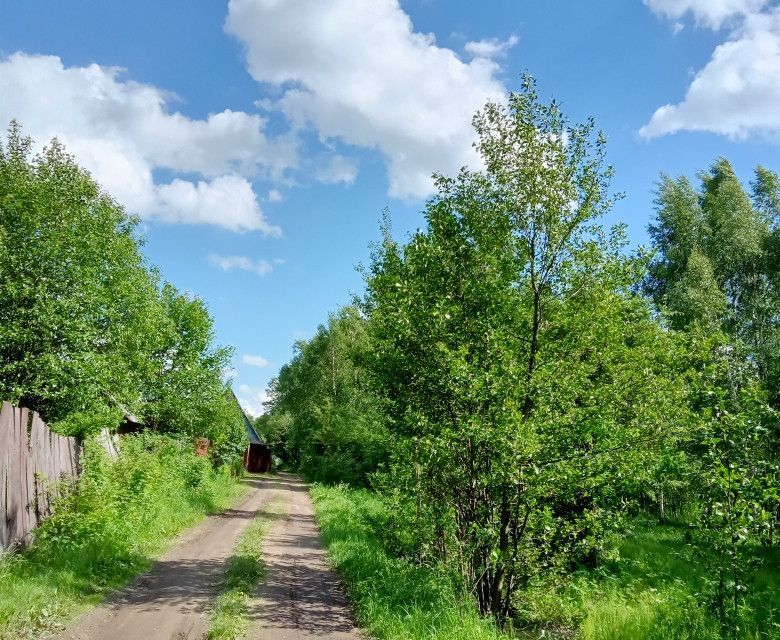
x=259, y=140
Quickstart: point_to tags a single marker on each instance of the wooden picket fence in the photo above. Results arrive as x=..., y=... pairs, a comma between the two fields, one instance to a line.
x=34, y=461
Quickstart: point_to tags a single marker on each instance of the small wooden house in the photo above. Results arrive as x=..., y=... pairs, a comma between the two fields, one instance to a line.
x=257, y=458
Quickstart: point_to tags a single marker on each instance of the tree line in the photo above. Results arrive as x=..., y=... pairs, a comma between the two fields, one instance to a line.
x=517, y=383
x=89, y=333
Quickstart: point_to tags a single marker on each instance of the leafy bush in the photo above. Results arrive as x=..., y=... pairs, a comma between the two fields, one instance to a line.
x=107, y=530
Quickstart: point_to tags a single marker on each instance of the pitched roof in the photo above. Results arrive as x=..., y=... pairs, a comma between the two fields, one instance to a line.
x=250, y=431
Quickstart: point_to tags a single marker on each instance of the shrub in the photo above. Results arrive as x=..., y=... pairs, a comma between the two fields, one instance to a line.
x=121, y=514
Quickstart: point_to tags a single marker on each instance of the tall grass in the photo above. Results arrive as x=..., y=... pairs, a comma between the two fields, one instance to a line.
x=122, y=515
x=392, y=598
x=653, y=585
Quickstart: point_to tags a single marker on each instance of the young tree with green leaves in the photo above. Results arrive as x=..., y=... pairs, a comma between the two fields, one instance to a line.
x=523, y=377
x=324, y=417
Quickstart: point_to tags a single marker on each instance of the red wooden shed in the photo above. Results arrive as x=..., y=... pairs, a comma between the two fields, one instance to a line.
x=257, y=457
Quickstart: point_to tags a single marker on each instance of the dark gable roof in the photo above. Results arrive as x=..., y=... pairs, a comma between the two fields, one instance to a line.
x=250, y=431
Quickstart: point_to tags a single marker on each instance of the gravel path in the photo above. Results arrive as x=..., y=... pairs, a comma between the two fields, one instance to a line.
x=300, y=598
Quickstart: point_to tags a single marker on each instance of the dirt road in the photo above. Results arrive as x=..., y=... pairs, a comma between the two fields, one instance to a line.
x=299, y=599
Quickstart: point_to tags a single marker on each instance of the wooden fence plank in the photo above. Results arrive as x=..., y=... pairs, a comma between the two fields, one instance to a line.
x=32, y=516
x=14, y=472
x=51, y=448
x=46, y=455
x=65, y=452
x=23, y=522
x=58, y=460
x=24, y=499
x=31, y=464
x=35, y=440
x=32, y=489
x=6, y=422
x=40, y=443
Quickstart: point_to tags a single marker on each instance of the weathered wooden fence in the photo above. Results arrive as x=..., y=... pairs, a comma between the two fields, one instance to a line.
x=33, y=462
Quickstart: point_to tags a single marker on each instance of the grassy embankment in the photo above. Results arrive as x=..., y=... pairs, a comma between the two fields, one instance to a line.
x=245, y=570
x=391, y=598
x=123, y=516
x=653, y=585
x=649, y=588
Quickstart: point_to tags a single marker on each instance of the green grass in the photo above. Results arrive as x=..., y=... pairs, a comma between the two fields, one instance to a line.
x=122, y=517
x=245, y=570
x=652, y=587
x=392, y=598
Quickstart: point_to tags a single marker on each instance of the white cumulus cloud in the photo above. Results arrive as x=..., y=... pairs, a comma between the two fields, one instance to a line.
x=358, y=72
x=709, y=13
x=254, y=361
x=737, y=92
x=252, y=399
x=122, y=131
x=242, y=263
x=227, y=201
x=490, y=47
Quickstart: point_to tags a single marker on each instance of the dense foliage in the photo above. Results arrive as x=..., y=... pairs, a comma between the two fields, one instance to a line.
x=87, y=332
x=716, y=277
x=325, y=419
x=521, y=372
x=537, y=389
x=123, y=514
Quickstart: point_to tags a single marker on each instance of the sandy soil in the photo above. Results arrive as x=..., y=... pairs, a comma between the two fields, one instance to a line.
x=300, y=598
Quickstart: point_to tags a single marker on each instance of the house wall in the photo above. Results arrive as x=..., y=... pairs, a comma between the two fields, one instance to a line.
x=257, y=458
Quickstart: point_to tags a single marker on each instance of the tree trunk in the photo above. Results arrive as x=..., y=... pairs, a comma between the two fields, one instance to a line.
x=496, y=600
x=536, y=324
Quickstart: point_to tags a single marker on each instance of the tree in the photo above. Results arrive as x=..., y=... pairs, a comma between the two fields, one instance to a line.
x=324, y=417
x=714, y=257
x=186, y=393
x=715, y=277
x=522, y=376
x=78, y=310
x=87, y=331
